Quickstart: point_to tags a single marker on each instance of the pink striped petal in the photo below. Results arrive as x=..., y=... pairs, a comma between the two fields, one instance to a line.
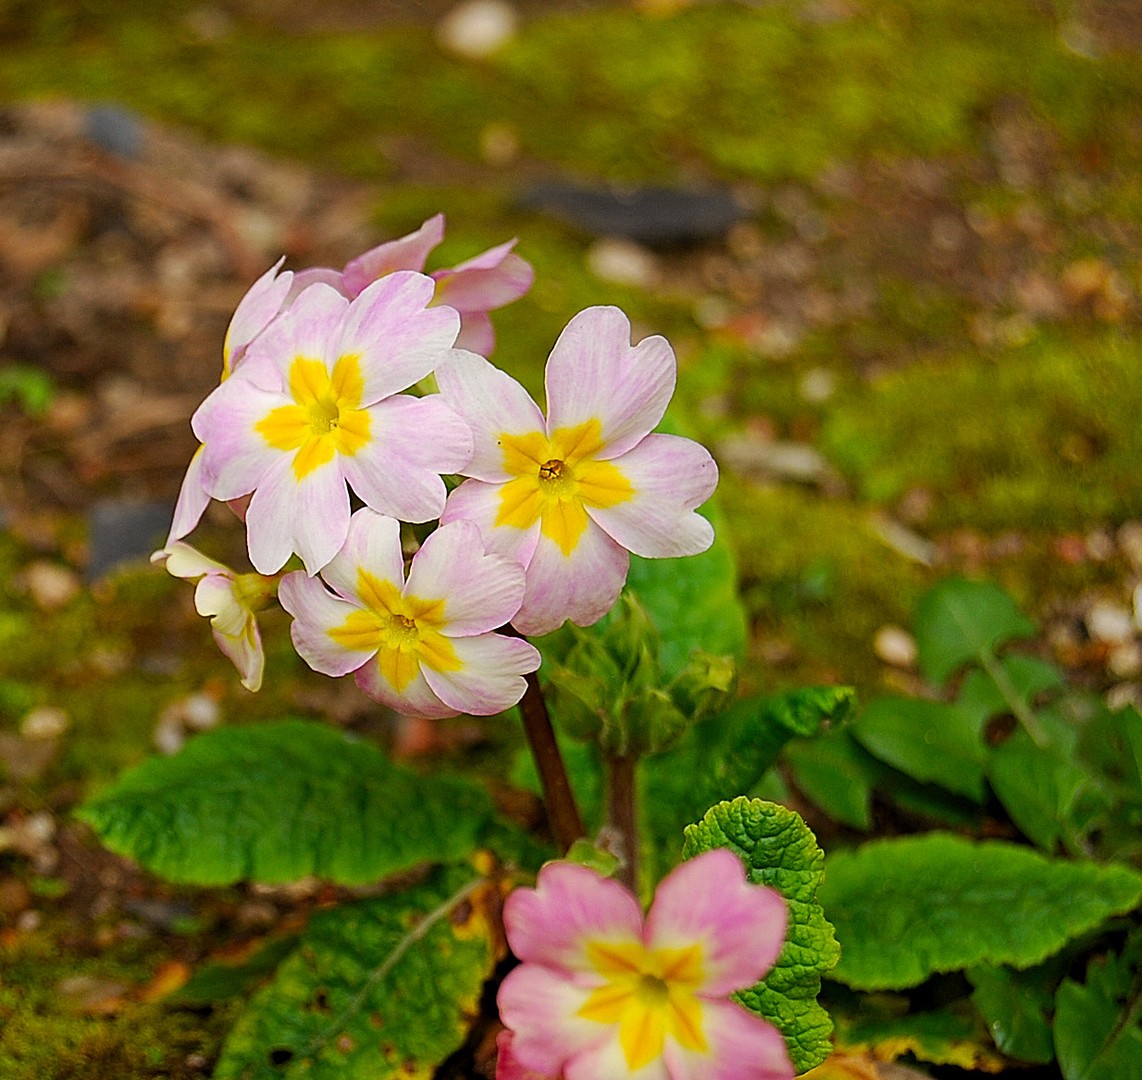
x=582, y=586
x=569, y=907
x=492, y=403
x=263, y=300
x=315, y=612
x=236, y=456
x=480, y=503
x=372, y=544
x=414, y=441
x=476, y=333
x=708, y=899
x=508, y=1065
x=406, y=253
x=314, y=275
x=416, y=699
x=539, y=1006
x=310, y=328
x=595, y=374
x=490, y=678
x=310, y=517
x=742, y=1046
x=481, y=592
x=487, y=282
x=398, y=337
x=193, y=500
x=670, y=477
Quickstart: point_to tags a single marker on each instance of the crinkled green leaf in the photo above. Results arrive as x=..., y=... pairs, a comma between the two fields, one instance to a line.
x=725, y=757
x=928, y=740
x=1098, y=1024
x=384, y=988
x=960, y=620
x=907, y=908
x=279, y=801
x=779, y=850
x=837, y=774
x=1014, y=1005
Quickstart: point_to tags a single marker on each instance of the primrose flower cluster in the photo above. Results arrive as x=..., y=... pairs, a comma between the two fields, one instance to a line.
x=321, y=438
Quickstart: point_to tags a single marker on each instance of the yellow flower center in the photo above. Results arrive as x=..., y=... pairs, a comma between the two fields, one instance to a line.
x=555, y=478
x=325, y=419
x=649, y=993
x=403, y=630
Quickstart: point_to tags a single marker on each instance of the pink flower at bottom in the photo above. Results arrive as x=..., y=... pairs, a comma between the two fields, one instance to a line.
x=602, y=993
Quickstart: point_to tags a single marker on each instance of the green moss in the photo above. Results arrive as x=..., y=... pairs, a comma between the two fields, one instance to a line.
x=1045, y=436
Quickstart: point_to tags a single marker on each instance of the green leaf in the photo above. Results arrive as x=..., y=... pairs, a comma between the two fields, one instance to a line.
x=384, y=988
x=837, y=774
x=726, y=757
x=279, y=801
x=1026, y=676
x=217, y=982
x=1097, y=1024
x=779, y=850
x=1014, y=1005
x=907, y=908
x=960, y=620
x=928, y=740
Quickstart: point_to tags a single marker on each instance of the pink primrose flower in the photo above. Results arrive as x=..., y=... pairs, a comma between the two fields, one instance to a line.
x=314, y=409
x=481, y=284
x=571, y=496
x=602, y=994
x=230, y=600
x=423, y=646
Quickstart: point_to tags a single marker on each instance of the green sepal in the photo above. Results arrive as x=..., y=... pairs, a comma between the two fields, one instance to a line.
x=280, y=801
x=779, y=850
x=383, y=989
x=907, y=908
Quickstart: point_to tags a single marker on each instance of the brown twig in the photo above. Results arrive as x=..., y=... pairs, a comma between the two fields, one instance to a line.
x=623, y=817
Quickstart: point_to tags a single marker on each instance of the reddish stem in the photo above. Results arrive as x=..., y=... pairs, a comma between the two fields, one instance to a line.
x=623, y=817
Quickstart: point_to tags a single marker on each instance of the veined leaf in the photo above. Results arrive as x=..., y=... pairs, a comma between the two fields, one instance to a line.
x=779, y=850
x=959, y=620
x=1098, y=1033
x=280, y=801
x=1015, y=1005
x=907, y=908
x=838, y=774
x=384, y=989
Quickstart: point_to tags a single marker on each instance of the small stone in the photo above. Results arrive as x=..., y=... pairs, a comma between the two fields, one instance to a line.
x=50, y=585
x=499, y=144
x=200, y=712
x=817, y=385
x=622, y=262
x=29, y=921
x=1109, y=622
x=46, y=722
x=475, y=29
x=1125, y=660
x=1100, y=545
x=1123, y=694
x=895, y=646
x=28, y=836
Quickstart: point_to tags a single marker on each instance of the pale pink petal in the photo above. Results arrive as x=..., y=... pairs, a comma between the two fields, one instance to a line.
x=310, y=517
x=708, y=900
x=373, y=544
x=570, y=906
x=742, y=1046
x=183, y=561
x=414, y=441
x=582, y=586
x=235, y=456
x=539, y=1006
x=193, y=500
x=406, y=253
x=480, y=503
x=246, y=654
x=309, y=328
x=315, y=612
x=314, y=275
x=490, y=678
x=481, y=592
x=476, y=333
x=595, y=374
x=487, y=282
x=670, y=476
x=493, y=404
x=416, y=699
x=263, y=300
x=508, y=1065
x=606, y=1059
x=398, y=337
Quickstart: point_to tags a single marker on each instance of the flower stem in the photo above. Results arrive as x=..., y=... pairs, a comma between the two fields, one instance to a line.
x=562, y=811
x=623, y=817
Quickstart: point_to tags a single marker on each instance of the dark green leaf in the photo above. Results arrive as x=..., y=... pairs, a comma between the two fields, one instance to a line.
x=1097, y=1031
x=837, y=774
x=1015, y=1006
x=960, y=620
x=216, y=982
x=779, y=850
x=907, y=908
x=1027, y=676
x=284, y=800
x=380, y=989
x=927, y=740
